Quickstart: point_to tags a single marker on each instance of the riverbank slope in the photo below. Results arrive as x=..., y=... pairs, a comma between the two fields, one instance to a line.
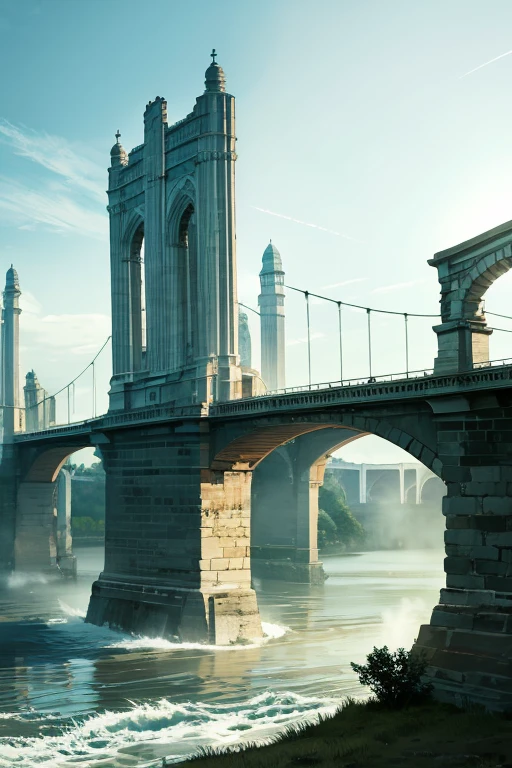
x=365, y=735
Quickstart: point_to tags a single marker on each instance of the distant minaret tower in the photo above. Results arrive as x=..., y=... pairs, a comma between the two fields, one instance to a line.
x=271, y=303
x=13, y=415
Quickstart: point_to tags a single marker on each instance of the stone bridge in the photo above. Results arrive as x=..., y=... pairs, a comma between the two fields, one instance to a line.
x=181, y=447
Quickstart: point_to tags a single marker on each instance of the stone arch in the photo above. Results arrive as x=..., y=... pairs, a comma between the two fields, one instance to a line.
x=36, y=539
x=465, y=272
x=286, y=545
x=247, y=449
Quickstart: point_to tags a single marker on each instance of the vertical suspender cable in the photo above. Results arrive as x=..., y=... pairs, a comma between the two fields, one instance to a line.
x=306, y=294
x=93, y=391
x=368, y=311
x=69, y=412
x=73, y=398
x=341, y=343
x=406, y=344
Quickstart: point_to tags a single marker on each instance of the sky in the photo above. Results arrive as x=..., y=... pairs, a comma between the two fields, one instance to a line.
x=371, y=134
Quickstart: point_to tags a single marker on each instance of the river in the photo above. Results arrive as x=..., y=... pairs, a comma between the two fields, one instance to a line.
x=76, y=695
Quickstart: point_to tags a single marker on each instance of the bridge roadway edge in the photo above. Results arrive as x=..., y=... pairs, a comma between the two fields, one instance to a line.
x=462, y=430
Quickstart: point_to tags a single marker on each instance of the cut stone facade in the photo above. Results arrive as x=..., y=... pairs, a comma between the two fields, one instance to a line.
x=174, y=195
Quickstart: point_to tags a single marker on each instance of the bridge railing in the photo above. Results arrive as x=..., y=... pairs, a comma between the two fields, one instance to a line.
x=359, y=380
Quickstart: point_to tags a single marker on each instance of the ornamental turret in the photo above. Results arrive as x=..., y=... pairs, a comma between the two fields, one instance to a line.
x=271, y=303
x=12, y=412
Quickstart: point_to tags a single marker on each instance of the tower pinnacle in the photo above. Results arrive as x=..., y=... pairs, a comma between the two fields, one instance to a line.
x=118, y=155
x=215, y=79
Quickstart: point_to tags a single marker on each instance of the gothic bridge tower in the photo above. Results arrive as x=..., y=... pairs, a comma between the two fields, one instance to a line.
x=173, y=262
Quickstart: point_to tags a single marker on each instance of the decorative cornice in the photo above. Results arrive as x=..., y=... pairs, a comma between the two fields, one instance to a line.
x=213, y=154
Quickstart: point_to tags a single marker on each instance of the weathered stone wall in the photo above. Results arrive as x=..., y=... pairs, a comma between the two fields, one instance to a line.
x=177, y=540
x=469, y=640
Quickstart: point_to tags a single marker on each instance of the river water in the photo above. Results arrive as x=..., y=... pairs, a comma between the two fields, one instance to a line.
x=76, y=695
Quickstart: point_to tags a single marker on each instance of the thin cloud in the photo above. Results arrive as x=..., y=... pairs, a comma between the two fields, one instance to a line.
x=56, y=155
x=344, y=282
x=27, y=208
x=307, y=224
x=304, y=339
x=396, y=286
x=486, y=64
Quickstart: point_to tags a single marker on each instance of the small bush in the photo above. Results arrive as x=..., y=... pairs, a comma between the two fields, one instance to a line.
x=394, y=678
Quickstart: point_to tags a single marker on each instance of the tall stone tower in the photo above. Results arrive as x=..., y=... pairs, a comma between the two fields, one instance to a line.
x=39, y=407
x=271, y=303
x=175, y=193
x=12, y=412
x=244, y=340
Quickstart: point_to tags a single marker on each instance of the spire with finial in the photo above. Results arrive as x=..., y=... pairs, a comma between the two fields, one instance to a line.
x=12, y=281
x=215, y=80
x=118, y=155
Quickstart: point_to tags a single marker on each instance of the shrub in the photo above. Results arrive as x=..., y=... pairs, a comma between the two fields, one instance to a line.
x=394, y=678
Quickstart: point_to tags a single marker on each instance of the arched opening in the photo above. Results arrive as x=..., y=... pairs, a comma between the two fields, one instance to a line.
x=465, y=273
x=187, y=286
x=53, y=504
x=495, y=309
x=137, y=298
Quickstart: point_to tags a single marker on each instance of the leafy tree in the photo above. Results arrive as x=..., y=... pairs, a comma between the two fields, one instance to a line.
x=88, y=491
x=394, y=678
x=327, y=531
x=86, y=526
x=332, y=503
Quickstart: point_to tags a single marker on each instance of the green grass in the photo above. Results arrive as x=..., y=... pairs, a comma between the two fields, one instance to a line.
x=365, y=735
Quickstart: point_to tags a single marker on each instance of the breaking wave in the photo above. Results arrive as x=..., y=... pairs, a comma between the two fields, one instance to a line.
x=270, y=632
x=145, y=734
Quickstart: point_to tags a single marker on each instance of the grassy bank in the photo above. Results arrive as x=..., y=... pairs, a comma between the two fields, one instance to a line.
x=364, y=735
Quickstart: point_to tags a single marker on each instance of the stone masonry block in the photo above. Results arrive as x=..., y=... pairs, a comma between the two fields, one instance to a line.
x=467, y=581
x=464, y=537
x=234, y=552
x=497, y=505
x=205, y=565
x=492, y=568
x=486, y=474
x=458, y=565
x=211, y=548
x=499, y=539
x=236, y=563
x=461, y=505
x=244, y=541
x=467, y=597
x=220, y=564
x=488, y=488
x=234, y=577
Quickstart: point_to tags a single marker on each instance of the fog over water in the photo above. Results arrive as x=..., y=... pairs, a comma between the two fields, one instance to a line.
x=73, y=694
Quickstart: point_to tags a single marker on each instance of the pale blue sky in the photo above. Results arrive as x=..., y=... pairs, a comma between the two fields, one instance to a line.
x=353, y=116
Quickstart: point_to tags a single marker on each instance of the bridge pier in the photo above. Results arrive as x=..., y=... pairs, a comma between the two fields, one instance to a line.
x=284, y=519
x=469, y=640
x=177, y=540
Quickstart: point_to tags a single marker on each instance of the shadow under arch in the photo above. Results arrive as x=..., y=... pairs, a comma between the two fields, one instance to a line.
x=37, y=542
x=284, y=498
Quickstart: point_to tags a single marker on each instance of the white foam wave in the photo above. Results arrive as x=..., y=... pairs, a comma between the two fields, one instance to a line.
x=149, y=732
x=270, y=632
x=70, y=611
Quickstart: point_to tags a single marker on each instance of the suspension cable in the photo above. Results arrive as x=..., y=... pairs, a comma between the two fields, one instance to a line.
x=358, y=306
x=72, y=382
x=240, y=304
